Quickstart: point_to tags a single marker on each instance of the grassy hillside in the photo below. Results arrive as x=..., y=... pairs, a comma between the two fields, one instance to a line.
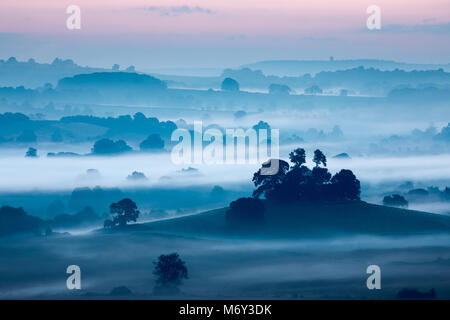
x=298, y=220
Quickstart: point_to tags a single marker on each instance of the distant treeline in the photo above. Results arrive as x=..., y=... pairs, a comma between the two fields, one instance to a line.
x=64, y=81
x=301, y=67
x=363, y=80
x=32, y=74
x=17, y=127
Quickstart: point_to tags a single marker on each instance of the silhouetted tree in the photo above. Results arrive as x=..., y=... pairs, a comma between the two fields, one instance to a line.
x=320, y=175
x=444, y=135
x=300, y=183
x=296, y=185
x=107, y=146
x=229, y=84
x=346, y=186
x=239, y=114
x=446, y=193
x=93, y=174
x=218, y=192
x=136, y=176
x=31, y=153
x=140, y=118
x=170, y=271
x=153, y=142
x=279, y=89
x=315, y=89
x=124, y=211
x=97, y=198
x=262, y=125
x=319, y=158
x=298, y=157
x=108, y=224
x=395, y=200
x=16, y=220
x=270, y=175
x=85, y=217
x=246, y=211
x=11, y=60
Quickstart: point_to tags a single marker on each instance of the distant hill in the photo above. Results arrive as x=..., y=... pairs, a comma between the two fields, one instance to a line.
x=17, y=221
x=364, y=80
x=309, y=220
x=32, y=74
x=414, y=94
x=356, y=80
x=301, y=67
x=112, y=87
x=111, y=81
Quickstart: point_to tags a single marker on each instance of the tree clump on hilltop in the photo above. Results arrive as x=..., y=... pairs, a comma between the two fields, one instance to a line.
x=280, y=181
x=297, y=182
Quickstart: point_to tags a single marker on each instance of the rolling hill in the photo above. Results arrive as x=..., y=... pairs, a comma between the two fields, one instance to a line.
x=306, y=220
x=300, y=67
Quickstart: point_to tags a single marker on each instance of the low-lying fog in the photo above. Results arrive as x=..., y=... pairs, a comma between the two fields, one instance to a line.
x=63, y=173
x=378, y=175
x=222, y=268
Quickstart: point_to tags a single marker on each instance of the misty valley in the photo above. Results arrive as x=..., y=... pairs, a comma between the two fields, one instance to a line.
x=273, y=180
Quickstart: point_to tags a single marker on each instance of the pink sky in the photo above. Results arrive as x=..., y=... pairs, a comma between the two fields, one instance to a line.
x=252, y=17
x=248, y=30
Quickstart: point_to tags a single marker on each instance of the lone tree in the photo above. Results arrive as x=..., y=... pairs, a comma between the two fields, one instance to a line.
x=275, y=88
x=136, y=176
x=107, y=146
x=123, y=212
x=170, y=271
x=319, y=158
x=229, y=84
x=395, y=200
x=31, y=153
